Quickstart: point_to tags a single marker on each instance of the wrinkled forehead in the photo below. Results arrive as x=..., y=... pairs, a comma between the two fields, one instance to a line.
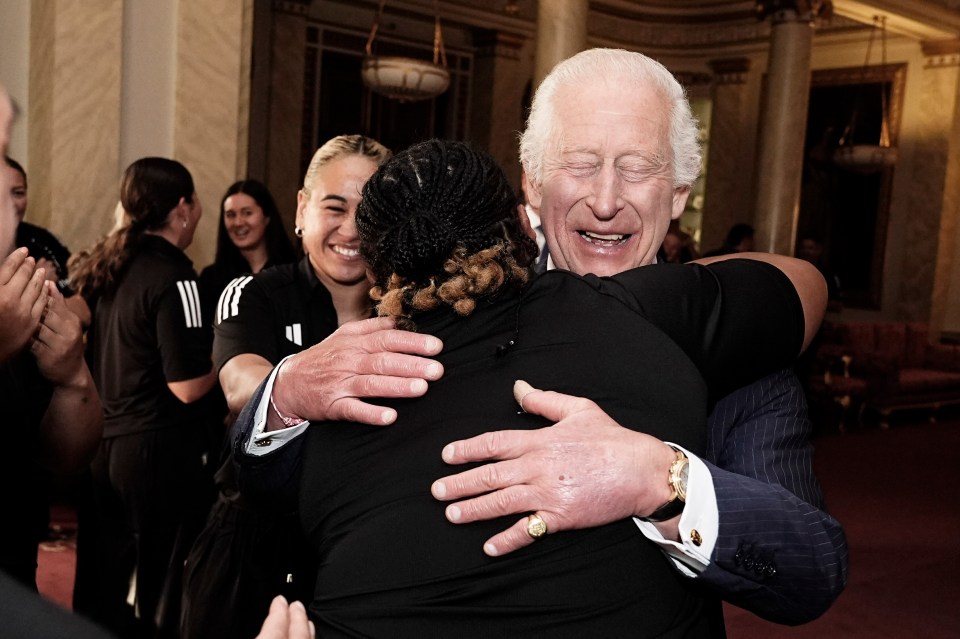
x=610, y=112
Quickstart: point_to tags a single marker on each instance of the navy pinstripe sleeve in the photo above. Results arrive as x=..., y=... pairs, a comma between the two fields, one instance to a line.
x=778, y=554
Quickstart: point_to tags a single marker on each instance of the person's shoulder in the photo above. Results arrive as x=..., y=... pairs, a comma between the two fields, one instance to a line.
x=27, y=230
x=279, y=275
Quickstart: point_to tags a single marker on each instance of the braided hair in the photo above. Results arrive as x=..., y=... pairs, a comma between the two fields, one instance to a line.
x=150, y=189
x=438, y=224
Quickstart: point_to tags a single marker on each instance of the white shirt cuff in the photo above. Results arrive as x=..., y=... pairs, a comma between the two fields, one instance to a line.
x=699, y=523
x=260, y=442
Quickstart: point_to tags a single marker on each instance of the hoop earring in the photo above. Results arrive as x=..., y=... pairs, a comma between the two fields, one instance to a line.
x=298, y=231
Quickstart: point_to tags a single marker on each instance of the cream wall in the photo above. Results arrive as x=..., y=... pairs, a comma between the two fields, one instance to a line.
x=104, y=82
x=149, y=74
x=920, y=280
x=14, y=62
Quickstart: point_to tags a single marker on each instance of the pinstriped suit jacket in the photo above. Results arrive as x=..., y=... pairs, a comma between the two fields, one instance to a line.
x=778, y=553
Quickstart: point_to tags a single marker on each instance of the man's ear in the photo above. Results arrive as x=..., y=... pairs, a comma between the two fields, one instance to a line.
x=680, y=195
x=533, y=193
x=525, y=225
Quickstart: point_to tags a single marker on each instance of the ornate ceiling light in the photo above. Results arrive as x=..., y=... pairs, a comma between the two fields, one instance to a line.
x=868, y=158
x=406, y=79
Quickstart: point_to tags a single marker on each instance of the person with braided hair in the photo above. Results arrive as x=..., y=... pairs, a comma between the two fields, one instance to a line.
x=150, y=357
x=449, y=251
x=248, y=553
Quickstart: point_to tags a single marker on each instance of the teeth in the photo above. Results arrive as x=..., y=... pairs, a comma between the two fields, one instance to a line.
x=346, y=252
x=618, y=237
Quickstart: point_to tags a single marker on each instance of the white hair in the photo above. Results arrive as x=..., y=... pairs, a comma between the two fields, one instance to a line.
x=587, y=66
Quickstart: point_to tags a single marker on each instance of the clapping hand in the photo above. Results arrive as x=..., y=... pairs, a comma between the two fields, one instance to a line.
x=23, y=298
x=58, y=345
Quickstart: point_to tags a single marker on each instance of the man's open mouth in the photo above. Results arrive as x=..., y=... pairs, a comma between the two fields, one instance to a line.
x=604, y=240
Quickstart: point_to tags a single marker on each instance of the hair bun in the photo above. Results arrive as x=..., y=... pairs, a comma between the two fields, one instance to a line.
x=425, y=201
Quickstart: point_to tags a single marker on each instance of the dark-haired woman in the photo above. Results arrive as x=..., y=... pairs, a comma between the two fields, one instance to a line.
x=250, y=238
x=150, y=356
x=449, y=254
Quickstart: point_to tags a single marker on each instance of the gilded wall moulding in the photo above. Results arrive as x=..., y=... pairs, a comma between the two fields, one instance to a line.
x=789, y=10
x=730, y=70
x=693, y=78
x=941, y=54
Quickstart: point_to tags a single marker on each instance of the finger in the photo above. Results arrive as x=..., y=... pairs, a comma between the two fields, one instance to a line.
x=389, y=339
x=480, y=480
x=500, y=503
x=49, y=268
x=401, y=366
x=56, y=315
x=299, y=625
x=552, y=405
x=37, y=296
x=11, y=264
x=277, y=621
x=501, y=444
x=513, y=538
x=24, y=277
x=353, y=410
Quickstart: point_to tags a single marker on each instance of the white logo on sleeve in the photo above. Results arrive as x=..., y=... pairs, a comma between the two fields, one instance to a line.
x=294, y=334
x=190, y=298
x=229, y=304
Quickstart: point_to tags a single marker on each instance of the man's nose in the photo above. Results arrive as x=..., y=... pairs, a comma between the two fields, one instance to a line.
x=606, y=200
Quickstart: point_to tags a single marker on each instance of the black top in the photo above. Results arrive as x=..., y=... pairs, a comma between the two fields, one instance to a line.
x=213, y=279
x=644, y=345
x=42, y=244
x=146, y=332
x=277, y=312
x=25, y=396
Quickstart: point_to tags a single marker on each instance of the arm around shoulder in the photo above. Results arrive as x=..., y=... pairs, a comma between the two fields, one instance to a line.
x=806, y=279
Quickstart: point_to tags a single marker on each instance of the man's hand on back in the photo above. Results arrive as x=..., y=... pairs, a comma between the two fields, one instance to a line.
x=361, y=360
x=584, y=471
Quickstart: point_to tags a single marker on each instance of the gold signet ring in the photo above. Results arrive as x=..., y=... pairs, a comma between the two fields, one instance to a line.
x=536, y=526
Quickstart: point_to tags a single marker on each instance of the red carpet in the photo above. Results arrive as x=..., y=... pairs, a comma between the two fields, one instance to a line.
x=893, y=490
x=894, y=493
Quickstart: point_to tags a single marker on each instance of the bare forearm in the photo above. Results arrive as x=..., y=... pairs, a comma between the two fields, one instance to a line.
x=190, y=390
x=72, y=426
x=240, y=378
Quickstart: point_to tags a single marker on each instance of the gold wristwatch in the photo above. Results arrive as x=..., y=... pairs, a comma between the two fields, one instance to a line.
x=677, y=477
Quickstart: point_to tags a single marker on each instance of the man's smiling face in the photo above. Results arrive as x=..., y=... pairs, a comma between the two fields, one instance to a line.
x=607, y=196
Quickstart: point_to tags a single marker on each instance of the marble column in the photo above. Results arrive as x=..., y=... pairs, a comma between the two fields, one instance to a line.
x=933, y=226
x=727, y=199
x=499, y=80
x=783, y=125
x=74, y=117
x=561, y=33
x=212, y=104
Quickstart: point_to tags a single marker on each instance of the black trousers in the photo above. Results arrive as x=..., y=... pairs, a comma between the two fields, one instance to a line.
x=149, y=495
